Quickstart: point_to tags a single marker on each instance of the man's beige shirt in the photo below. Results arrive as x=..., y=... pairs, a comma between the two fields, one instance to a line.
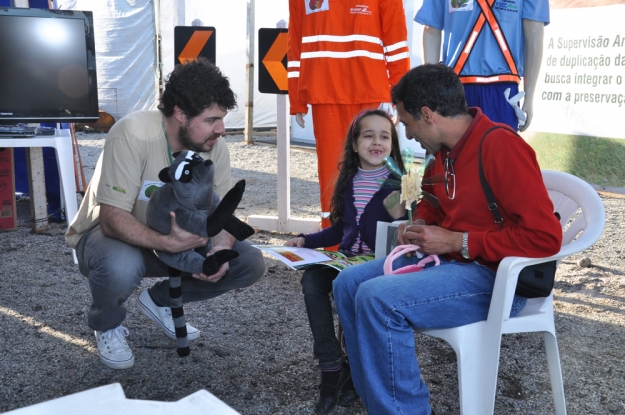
x=134, y=153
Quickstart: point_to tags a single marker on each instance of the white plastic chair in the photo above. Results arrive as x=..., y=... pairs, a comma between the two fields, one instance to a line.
x=477, y=345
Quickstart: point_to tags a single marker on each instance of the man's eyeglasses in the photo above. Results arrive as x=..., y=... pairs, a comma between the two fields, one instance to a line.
x=450, y=178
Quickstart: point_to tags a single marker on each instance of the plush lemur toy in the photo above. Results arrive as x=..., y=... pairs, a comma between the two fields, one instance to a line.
x=188, y=191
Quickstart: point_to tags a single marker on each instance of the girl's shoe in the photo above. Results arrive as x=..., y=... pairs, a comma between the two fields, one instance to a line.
x=347, y=394
x=330, y=388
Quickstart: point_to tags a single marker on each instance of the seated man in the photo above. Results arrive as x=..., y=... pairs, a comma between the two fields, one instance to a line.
x=378, y=312
x=112, y=241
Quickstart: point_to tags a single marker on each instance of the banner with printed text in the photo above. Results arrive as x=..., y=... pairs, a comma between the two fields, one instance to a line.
x=581, y=86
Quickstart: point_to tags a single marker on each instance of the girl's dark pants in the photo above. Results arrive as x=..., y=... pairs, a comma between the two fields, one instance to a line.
x=317, y=286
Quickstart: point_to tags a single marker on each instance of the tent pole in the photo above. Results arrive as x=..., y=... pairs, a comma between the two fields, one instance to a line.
x=158, y=69
x=249, y=76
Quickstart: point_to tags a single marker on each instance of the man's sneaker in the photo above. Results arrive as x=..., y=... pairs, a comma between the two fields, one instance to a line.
x=162, y=316
x=114, y=351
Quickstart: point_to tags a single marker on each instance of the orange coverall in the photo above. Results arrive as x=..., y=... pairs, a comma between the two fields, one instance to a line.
x=343, y=57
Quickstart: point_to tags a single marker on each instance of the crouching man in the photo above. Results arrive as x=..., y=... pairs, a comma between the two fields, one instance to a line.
x=115, y=247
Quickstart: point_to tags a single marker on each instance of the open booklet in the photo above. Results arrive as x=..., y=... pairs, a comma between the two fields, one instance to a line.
x=301, y=258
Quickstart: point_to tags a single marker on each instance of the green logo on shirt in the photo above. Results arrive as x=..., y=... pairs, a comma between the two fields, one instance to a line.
x=119, y=189
x=151, y=189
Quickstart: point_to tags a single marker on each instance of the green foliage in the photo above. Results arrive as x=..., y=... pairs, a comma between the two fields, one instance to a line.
x=596, y=160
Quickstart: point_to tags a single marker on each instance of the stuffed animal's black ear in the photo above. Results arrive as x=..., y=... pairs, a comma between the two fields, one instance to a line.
x=163, y=175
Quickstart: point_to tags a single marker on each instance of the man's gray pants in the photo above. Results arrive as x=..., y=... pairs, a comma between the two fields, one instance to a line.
x=115, y=269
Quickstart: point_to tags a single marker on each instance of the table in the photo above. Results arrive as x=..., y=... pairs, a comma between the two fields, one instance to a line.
x=61, y=141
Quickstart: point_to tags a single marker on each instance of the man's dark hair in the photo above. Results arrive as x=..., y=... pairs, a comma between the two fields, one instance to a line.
x=435, y=86
x=195, y=86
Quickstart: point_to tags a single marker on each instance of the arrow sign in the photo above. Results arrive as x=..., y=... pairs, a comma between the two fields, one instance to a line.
x=272, y=73
x=191, y=42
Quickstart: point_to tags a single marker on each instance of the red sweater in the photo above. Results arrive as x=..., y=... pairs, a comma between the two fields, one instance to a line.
x=530, y=228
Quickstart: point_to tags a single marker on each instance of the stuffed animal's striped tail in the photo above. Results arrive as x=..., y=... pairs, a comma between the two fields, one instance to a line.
x=177, y=313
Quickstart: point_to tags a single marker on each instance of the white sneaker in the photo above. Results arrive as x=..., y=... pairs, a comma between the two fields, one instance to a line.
x=162, y=316
x=114, y=351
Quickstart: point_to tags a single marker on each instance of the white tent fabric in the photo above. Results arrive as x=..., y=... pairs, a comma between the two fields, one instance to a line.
x=125, y=53
x=126, y=33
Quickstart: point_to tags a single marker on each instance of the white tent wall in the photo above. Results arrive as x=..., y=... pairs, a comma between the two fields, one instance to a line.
x=125, y=35
x=415, y=34
x=125, y=53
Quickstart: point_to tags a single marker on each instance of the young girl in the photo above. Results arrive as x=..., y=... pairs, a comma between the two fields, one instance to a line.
x=358, y=203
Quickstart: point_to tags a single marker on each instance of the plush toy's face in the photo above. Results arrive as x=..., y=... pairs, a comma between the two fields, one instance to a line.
x=191, y=178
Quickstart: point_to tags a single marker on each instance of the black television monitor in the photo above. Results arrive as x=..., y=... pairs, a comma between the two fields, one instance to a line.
x=47, y=66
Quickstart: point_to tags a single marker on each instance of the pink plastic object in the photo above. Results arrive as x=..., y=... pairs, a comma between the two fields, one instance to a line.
x=404, y=249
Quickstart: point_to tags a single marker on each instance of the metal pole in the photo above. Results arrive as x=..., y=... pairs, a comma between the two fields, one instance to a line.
x=158, y=66
x=249, y=76
x=284, y=159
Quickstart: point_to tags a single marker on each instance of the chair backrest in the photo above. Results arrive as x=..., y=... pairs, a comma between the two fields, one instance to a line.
x=582, y=217
x=568, y=193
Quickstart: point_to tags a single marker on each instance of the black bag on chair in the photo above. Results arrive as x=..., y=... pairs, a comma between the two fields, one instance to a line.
x=534, y=280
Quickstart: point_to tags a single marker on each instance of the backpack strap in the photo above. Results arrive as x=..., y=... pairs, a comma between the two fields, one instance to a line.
x=490, y=197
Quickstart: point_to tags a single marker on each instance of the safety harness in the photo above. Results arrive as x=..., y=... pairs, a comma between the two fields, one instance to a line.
x=487, y=15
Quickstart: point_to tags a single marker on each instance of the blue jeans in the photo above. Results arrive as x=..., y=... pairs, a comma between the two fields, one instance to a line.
x=378, y=314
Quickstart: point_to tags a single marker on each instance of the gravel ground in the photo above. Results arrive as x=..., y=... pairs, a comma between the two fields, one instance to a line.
x=255, y=352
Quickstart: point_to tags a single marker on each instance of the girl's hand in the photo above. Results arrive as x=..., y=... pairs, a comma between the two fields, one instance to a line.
x=298, y=242
x=393, y=206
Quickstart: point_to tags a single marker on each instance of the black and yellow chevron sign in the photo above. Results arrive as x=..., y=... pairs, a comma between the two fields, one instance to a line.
x=272, y=72
x=191, y=42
